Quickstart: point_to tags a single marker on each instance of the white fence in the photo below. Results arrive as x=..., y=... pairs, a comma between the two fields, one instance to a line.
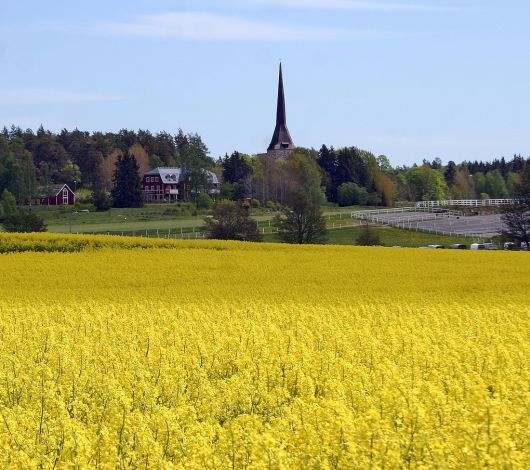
x=467, y=202
x=396, y=210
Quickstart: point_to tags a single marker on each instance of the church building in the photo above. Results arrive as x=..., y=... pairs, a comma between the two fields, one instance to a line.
x=281, y=144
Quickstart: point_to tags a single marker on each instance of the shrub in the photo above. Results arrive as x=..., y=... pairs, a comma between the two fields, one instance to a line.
x=368, y=237
x=351, y=194
x=204, y=202
x=24, y=221
x=101, y=200
x=230, y=221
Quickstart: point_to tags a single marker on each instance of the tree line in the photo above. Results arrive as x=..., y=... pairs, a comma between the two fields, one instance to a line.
x=32, y=162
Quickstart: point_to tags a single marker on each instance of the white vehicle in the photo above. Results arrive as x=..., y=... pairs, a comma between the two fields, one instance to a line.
x=484, y=246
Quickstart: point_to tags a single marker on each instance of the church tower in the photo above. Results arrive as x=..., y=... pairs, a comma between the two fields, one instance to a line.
x=281, y=144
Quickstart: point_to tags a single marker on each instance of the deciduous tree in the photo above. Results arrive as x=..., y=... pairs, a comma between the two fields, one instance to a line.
x=231, y=221
x=301, y=221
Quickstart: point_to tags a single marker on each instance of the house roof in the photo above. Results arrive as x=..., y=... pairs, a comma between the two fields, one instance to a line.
x=171, y=175
x=57, y=188
x=54, y=190
x=167, y=175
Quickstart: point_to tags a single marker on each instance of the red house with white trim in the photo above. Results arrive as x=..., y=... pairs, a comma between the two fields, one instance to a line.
x=62, y=195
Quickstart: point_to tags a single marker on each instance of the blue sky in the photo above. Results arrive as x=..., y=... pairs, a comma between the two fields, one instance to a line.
x=411, y=79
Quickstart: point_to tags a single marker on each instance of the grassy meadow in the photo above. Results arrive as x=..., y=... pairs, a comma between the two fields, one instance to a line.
x=161, y=220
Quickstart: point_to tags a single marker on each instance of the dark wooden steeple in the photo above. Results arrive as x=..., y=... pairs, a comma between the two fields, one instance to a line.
x=281, y=139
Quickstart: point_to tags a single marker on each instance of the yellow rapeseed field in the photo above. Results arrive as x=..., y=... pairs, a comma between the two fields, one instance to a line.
x=126, y=353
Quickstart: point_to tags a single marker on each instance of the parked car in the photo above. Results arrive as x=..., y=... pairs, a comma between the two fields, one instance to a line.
x=491, y=246
x=458, y=246
x=436, y=247
x=478, y=246
x=510, y=246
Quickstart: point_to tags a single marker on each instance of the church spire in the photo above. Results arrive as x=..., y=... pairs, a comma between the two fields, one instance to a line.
x=281, y=139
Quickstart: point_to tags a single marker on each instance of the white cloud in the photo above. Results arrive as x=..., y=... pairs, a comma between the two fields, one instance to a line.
x=49, y=96
x=210, y=26
x=354, y=5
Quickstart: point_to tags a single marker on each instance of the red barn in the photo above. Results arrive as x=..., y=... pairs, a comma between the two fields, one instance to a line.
x=62, y=195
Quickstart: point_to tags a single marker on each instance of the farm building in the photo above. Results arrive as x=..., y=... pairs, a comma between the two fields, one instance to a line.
x=171, y=184
x=59, y=195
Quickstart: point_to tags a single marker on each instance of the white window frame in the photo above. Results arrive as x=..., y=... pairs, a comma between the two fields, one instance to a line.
x=65, y=197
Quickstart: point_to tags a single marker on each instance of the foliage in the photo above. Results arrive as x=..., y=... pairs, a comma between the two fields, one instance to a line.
x=426, y=183
x=262, y=356
x=276, y=179
x=127, y=191
x=516, y=218
x=194, y=159
x=368, y=237
x=301, y=221
x=350, y=194
x=230, y=221
x=495, y=185
x=204, y=202
x=8, y=205
x=236, y=168
x=101, y=200
x=24, y=221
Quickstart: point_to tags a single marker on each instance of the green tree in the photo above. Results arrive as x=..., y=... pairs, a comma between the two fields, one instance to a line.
x=301, y=173
x=194, y=159
x=351, y=194
x=101, y=200
x=8, y=204
x=450, y=173
x=230, y=221
x=301, y=221
x=236, y=168
x=495, y=185
x=127, y=191
x=426, y=184
x=512, y=181
x=205, y=201
x=24, y=221
x=479, y=181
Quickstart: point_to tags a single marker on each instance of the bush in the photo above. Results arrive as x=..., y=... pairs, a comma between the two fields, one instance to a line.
x=204, y=202
x=230, y=221
x=273, y=206
x=351, y=194
x=368, y=237
x=255, y=203
x=101, y=200
x=24, y=221
x=8, y=204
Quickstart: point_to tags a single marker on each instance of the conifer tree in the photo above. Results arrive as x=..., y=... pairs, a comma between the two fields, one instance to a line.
x=127, y=191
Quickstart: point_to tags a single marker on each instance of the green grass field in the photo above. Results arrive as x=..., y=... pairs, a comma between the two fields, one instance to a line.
x=151, y=217
x=160, y=220
x=389, y=236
